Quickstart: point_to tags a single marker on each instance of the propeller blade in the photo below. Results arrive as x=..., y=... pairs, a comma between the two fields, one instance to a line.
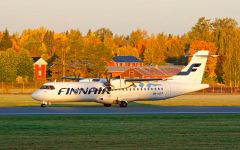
x=108, y=81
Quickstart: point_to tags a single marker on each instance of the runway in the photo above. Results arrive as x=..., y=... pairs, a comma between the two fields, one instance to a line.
x=131, y=110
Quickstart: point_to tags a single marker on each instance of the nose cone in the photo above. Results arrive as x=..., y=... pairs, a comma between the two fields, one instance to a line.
x=37, y=95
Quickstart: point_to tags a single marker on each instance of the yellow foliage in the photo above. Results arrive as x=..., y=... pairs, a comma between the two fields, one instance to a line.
x=19, y=80
x=212, y=62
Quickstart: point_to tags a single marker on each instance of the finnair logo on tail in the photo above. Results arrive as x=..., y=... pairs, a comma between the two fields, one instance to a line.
x=93, y=90
x=192, y=68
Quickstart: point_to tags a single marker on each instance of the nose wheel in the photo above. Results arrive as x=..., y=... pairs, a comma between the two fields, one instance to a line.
x=107, y=105
x=45, y=104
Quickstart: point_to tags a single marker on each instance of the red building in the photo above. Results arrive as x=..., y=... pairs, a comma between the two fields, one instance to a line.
x=40, y=68
x=119, y=64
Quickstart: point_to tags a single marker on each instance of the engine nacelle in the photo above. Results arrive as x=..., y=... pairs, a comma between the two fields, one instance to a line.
x=120, y=83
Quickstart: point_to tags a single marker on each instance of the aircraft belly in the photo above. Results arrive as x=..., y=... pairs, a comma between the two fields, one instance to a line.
x=73, y=97
x=139, y=96
x=183, y=88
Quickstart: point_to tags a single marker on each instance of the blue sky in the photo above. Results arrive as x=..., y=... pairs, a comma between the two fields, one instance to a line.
x=121, y=16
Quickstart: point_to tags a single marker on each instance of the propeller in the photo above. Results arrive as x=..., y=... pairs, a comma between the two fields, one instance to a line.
x=108, y=81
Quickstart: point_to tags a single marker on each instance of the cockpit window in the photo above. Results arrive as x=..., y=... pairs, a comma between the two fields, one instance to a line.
x=48, y=87
x=96, y=80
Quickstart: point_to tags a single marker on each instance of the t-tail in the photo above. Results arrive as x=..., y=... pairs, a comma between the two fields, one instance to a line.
x=193, y=72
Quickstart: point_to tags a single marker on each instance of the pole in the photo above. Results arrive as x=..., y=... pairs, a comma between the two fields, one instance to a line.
x=2, y=87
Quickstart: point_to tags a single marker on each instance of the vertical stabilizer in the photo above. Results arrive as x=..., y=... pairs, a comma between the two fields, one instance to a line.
x=193, y=72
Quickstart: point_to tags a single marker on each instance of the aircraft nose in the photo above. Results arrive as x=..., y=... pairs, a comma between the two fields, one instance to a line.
x=37, y=96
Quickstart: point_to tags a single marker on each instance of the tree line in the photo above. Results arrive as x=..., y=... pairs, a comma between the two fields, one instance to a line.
x=75, y=54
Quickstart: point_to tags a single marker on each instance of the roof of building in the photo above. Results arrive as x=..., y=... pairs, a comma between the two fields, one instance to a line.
x=126, y=59
x=163, y=71
x=166, y=70
x=39, y=60
x=117, y=68
x=35, y=59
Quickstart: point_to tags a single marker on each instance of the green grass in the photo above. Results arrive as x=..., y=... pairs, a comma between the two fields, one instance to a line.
x=120, y=132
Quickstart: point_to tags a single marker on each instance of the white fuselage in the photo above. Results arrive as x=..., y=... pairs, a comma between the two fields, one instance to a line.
x=96, y=91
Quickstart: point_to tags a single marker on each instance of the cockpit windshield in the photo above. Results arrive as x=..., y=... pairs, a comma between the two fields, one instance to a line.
x=47, y=87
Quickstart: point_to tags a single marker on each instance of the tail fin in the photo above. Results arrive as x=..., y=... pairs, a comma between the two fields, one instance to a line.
x=193, y=72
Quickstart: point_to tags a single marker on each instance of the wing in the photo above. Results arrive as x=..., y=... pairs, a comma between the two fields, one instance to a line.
x=72, y=78
x=140, y=80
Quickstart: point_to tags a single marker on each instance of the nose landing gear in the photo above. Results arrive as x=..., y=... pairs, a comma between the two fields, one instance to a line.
x=45, y=104
x=107, y=105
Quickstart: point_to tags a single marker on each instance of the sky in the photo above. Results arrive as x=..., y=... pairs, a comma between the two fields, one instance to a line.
x=120, y=16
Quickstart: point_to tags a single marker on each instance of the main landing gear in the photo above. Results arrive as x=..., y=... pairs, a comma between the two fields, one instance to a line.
x=123, y=104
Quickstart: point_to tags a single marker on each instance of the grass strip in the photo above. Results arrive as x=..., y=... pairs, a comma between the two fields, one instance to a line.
x=184, y=131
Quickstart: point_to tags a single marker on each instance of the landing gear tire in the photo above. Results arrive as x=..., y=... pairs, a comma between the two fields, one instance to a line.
x=43, y=105
x=123, y=104
x=107, y=105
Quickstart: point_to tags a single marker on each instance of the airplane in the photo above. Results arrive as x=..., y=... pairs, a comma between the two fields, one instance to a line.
x=111, y=91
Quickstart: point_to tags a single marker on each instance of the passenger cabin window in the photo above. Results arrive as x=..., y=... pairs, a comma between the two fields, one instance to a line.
x=47, y=87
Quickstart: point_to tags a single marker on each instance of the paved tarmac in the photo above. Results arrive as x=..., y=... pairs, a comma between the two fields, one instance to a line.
x=142, y=109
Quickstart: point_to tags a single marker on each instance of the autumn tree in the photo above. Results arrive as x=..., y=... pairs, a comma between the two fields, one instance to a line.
x=137, y=39
x=103, y=33
x=154, y=53
x=127, y=51
x=16, y=42
x=96, y=60
x=120, y=40
x=210, y=74
x=201, y=30
x=8, y=66
x=231, y=61
x=25, y=65
x=57, y=65
x=5, y=42
x=48, y=41
x=174, y=50
x=75, y=51
x=32, y=40
x=224, y=32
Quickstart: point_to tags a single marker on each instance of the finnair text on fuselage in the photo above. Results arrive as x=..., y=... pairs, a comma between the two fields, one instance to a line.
x=78, y=91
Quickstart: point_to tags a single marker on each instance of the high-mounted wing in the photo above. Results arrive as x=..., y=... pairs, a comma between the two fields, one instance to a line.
x=140, y=80
x=72, y=78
